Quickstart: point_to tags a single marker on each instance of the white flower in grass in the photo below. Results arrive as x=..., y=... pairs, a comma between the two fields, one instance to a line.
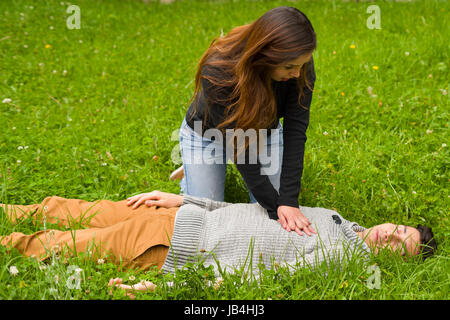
x=7, y=100
x=100, y=261
x=429, y=131
x=444, y=145
x=406, y=53
x=131, y=278
x=325, y=133
x=13, y=270
x=413, y=192
x=218, y=283
x=370, y=91
x=19, y=148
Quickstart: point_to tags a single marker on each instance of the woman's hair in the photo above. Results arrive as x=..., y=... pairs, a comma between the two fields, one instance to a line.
x=241, y=62
x=427, y=242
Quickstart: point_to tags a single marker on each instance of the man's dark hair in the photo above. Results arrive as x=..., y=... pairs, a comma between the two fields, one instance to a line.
x=427, y=242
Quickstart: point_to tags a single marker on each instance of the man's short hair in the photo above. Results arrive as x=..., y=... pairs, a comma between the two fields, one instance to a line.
x=427, y=242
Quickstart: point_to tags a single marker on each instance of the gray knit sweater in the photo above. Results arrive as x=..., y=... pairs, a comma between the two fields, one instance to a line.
x=242, y=235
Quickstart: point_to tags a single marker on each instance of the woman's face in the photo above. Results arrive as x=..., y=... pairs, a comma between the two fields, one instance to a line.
x=290, y=69
x=403, y=238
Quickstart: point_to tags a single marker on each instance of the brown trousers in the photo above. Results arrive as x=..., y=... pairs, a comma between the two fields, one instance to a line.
x=133, y=238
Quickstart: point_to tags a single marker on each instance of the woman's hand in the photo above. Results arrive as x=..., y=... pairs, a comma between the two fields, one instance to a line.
x=292, y=219
x=156, y=198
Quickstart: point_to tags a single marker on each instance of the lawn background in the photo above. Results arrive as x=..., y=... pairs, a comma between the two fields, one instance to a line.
x=94, y=113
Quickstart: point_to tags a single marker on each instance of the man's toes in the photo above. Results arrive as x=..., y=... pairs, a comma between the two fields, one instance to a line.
x=115, y=281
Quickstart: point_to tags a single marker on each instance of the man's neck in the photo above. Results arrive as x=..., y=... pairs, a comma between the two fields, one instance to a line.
x=364, y=237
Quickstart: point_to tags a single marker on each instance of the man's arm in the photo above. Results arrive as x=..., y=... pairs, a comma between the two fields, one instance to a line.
x=169, y=200
x=206, y=203
x=156, y=198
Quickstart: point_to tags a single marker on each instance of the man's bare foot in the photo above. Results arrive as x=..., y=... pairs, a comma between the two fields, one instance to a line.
x=177, y=174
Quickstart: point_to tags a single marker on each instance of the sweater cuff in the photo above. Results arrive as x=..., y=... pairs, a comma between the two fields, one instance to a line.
x=200, y=202
x=272, y=215
x=204, y=203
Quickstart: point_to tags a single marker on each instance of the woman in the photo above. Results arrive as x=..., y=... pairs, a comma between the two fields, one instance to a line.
x=250, y=78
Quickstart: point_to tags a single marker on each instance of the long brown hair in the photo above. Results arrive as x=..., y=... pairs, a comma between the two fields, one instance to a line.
x=242, y=60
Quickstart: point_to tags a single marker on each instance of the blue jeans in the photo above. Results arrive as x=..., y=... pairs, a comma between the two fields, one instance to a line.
x=205, y=163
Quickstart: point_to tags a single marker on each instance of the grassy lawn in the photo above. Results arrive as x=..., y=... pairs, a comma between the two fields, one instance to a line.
x=92, y=113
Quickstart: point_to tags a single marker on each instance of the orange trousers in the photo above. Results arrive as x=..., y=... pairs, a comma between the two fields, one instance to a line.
x=102, y=229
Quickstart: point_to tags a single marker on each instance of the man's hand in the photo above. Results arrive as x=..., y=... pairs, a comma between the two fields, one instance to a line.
x=156, y=198
x=292, y=219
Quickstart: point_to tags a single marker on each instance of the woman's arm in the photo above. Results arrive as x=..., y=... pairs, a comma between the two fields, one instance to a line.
x=295, y=124
x=260, y=186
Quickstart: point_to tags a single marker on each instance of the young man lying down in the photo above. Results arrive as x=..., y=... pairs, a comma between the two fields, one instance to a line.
x=167, y=230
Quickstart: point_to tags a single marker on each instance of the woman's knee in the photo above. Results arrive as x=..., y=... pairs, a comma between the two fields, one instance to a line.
x=205, y=183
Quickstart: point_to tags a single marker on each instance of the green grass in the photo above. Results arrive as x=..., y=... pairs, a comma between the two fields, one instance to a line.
x=92, y=132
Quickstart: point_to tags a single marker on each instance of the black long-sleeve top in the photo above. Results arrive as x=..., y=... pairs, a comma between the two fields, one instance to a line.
x=295, y=124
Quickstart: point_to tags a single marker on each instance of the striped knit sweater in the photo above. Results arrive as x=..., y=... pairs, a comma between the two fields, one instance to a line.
x=242, y=236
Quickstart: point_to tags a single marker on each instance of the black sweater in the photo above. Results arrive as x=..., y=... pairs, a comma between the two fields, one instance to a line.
x=295, y=124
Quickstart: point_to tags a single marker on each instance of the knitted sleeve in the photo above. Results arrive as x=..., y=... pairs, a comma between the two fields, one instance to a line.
x=206, y=203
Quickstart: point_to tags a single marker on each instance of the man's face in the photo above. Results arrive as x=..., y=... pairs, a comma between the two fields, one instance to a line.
x=404, y=239
x=290, y=69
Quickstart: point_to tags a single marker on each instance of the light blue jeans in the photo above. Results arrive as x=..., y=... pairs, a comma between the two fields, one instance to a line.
x=205, y=162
